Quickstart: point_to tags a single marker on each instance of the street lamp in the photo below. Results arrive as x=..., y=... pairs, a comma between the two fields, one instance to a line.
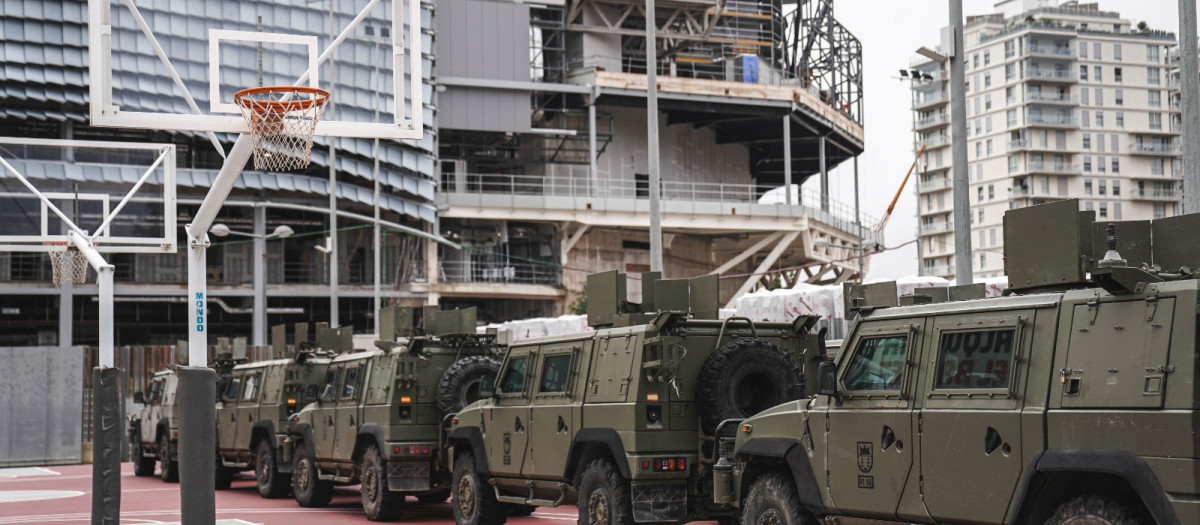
x=282, y=231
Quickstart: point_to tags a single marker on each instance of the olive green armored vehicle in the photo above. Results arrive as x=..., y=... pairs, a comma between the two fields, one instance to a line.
x=256, y=400
x=619, y=421
x=1071, y=400
x=379, y=415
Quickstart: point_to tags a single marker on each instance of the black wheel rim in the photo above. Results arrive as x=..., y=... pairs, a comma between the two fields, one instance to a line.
x=598, y=508
x=465, y=496
x=265, y=468
x=770, y=516
x=302, y=475
x=754, y=392
x=370, y=485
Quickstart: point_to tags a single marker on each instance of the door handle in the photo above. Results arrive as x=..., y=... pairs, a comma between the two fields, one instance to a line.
x=352, y=421
x=562, y=425
x=991, y=441
x=329, y=421
x=888, y=438
x=232, y=418
x=517, y=426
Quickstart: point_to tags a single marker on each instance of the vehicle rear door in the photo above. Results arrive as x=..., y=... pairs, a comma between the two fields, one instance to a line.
x=869, y=459
x=552, y=416
x=227, y=418
x=970, y=422
x=247, y=410
x=323, y=422
x=505, y=428
x=349, y=413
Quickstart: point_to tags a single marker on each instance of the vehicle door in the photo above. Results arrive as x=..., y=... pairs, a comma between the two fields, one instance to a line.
x=153, y=401
x=247, y=409
x=869, y=454
x=269, y=402
x=552, y=415
x=227, y=418
x=505, y=429
x=970, y=419
x=349, y=413
x=323, y=422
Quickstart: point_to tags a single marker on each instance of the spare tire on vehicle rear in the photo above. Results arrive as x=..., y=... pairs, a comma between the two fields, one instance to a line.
x=742, y=378
x=459, y=386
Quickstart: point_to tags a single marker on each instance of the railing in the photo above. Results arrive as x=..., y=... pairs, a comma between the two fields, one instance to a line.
x=1158, y=194
x=1020, y=191
x=501, y=272
x=1164, y=149
x=935, y=185
x=1051, y=99
x=933, y=120
x=937, y=227
x=1050, y=75
x=941, y=269
x=934, y=141
x=1052, y=120
x=834, y=212
x=1052, y=167
x=1056, y=51
x=1020, y=144
x=930, y=98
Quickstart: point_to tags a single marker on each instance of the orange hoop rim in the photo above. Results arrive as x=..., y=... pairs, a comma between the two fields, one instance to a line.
x=242, y=98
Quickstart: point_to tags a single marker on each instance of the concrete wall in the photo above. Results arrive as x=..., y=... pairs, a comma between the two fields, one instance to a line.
x=41, y=405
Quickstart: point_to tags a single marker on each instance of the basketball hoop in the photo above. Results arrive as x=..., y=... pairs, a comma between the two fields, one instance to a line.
x=282, y=120
x=68, y=262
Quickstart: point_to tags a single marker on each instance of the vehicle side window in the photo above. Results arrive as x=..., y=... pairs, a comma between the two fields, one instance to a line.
x=514, y=377
x=877, y=364
x=231, y=391
x=350, y=386
x=329, y=391
x=978, y=359
x=555, y=371
x=250, y=390
x=155, y=391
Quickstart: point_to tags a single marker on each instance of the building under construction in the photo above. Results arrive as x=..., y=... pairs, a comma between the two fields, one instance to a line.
x=534, y=160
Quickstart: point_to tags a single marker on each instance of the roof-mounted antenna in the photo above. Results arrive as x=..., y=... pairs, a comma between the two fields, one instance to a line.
x=1111, y=257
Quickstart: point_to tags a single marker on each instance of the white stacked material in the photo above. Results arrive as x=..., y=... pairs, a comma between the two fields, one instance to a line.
x=908, y=284
x=726, y=313
x=541, y=326
x=994, y=286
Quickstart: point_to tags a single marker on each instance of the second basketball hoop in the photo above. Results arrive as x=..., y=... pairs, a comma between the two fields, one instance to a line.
x=281, y=121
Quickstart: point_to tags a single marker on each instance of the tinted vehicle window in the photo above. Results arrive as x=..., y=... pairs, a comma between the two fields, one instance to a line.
x=975, y=359
x=878, y=364
x=514, y=377
x=250, y=390
x=329, y=391
x=555, y=370
x=350, y=387
x=231, y=392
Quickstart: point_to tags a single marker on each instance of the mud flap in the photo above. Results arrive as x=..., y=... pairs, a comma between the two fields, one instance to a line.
x=408, y=476
x=197, y=444
x=107, y=444
x=658, y=502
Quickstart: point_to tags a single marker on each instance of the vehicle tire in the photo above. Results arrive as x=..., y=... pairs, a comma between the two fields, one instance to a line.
x=474, y=501
x=459, y=386
x=309, y=489
x=142, y=466
x=742, y=378
x=604, y=496
x=170, y=467
x=772, y=500
x=436, y=497
x=515, y=510
x=378, y=502
x=1095, y=510
x=271, y=482
x=224, y=476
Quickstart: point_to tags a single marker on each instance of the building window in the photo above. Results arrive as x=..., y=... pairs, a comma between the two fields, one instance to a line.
x=1115, y=143
x=1083, y=47
x=1117, y=211
x=987, y=80
x=987, y=123
x=1100, y=164
x=987, y=102
x=1096, y=52
x=1099, y=96
x=1099, y=119
x=1086, y=121
x=989, y=141
x=991, y=191
x=1010, y=71
x=1152, y=76
x=1154, y=99
x=978, y=149
x=1156, y=166
x=1010, y=49
x=980, y=216
x=1087, y=166
x=1117, y=52
x=1102, y=187
x=1117, y=76
x=982, y=260
x=992, y=235
x=975, y=61
x=1087, y=141
x=1119, y=97
x=1156, y=121
x=1151, y=53
x=979, y=193
x=987, y=58
x=1120, y=120
x=1100, y=142
x=1083, y=73
x=1012, y=164
x=1083, y=97
x=1103, y=210
x=1011, y=116
x=1096, y=72
x=1116, y=187
x=1116, y=165
x=1160, y=210
x=1009, y=95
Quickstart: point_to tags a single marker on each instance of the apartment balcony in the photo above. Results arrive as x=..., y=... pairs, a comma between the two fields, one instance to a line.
x=941, y=270
x=1055, y=121
x=1141, y=175
x=1051, y=52
x=1055, y=99
x=1052, y=168
x=702, y=207
x=1019, y=192
x=1169, y=150
x=930, y=228
x=932, y=121
x=933, y=185
x=1051, y=76
x=936, y=141
x=547, y=274
x=930, y=100
x=1158, y=195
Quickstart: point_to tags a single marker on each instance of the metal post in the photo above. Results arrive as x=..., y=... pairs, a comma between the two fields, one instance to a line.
x=258, y=319
x=958, y=138
x=333, y=235
x=377, y=236
x=1189, y=85
x=66, y=308
x=656, y=248
x=787, y=159
x=858, y=221
x=593, y=173
x=197, y=300
x=912, y=97
x=824, y=174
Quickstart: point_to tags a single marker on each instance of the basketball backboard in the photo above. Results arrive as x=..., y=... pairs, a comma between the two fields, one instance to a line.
x=174, y=66
x=77, y=178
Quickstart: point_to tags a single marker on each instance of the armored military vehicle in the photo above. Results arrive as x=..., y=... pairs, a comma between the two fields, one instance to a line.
x=378, y=419
x=256, y=400
x=619, y=421
x=154, y=429
x=1071, y=400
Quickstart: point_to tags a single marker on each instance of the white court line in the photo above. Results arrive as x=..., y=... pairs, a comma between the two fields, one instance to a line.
x=26, y=472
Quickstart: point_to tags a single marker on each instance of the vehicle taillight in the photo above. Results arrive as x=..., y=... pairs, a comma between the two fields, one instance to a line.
x=411, y=450
x=665, y=464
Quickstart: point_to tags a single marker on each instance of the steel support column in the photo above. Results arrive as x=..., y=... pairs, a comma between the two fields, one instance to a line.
x=1189, y=82
x=824, y=175
x=787, y=159
x=258, y=319
x=958, y=138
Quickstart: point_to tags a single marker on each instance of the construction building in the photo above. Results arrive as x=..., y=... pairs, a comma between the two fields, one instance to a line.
x=1063, y=101
x=534, y=160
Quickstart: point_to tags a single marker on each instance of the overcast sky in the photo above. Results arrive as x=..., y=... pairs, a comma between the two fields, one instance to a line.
x=890, y=32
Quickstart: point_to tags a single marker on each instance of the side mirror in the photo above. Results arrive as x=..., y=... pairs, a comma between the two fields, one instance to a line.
x=310, y=394
x=139, y=398
x=827, y=378
x=487, y=387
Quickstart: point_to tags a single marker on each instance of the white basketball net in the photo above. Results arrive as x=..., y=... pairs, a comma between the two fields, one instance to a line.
x=69, y=264
x=282, y=120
